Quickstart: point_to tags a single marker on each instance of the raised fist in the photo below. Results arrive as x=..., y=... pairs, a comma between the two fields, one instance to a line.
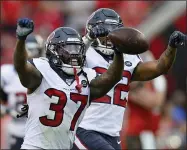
x=98, y=31
x=177, y=38
x=25, y=26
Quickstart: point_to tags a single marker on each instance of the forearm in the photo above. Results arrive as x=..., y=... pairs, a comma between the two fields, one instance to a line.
x=29, y=76
x=102, y=84
x=20, y=56
x=114, y=72
x=166, y=60
x=87, y=41
x=149, y=70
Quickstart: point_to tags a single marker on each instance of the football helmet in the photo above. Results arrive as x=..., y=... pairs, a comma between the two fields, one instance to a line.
x=66, y=50
x=34, y=45
x=110, y=20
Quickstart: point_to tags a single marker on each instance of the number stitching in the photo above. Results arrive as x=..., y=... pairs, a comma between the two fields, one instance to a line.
x=117, y=89
x=77, y=97
x=59, y=108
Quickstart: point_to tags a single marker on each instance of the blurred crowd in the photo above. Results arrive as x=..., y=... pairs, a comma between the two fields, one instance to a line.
x=48, y=15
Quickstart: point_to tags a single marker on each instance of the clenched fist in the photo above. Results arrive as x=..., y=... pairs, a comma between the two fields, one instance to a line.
x=25, y=26
x=98, y=31
x=177, y=38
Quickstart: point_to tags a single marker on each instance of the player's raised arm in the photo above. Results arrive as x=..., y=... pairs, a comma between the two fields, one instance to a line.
x=150, y=70
x=103, y=83
x=29, y=76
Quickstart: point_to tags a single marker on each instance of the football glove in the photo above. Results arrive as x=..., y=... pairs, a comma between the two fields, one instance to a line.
x=177, y=38
x=98, y=31
x=24, y=110
x=25, y=26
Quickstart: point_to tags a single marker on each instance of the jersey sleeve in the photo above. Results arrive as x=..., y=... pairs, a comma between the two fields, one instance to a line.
x=91, y=74
x=90, y=54
x=31, y=62
x=39, y=63
x=137, y=60
x=133, y=59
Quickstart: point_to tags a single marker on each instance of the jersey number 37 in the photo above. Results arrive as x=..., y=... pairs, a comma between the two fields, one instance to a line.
x=59, y=108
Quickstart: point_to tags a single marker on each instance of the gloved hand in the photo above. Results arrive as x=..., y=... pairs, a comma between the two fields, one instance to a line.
x=98, y=31
x=24, y=110
x=25, y=26
x=177, y=38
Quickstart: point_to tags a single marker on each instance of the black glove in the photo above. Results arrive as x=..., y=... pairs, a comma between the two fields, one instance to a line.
x=24, y=109
x=98, y=31
x=25, y=26
x=177, y=38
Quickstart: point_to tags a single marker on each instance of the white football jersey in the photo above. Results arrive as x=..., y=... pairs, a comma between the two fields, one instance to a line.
x=16, y=93
x=105, y=114
x=55, y=109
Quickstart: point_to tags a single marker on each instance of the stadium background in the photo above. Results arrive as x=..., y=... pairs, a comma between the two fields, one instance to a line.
x=48, y=15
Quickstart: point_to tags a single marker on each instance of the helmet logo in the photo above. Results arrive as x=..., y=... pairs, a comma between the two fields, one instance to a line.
x=111, y=21
x=73, y=40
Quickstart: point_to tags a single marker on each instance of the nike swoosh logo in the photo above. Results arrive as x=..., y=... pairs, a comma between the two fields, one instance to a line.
x=119, y=142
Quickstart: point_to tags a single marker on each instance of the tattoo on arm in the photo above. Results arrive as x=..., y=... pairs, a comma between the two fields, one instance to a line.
x=29, y=76
x=149, y=70
x=102, y=84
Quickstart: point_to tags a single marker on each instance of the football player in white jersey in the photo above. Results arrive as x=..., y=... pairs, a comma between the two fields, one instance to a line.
x=102, y=122
x=59, y=86
x=14, y=94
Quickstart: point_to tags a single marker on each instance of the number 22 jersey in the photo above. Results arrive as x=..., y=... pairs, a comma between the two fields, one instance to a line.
x=105, y=114
x=55, y=108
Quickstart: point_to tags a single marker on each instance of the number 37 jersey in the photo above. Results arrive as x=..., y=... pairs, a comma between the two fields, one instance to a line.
x=55, y=109
x=105, y=114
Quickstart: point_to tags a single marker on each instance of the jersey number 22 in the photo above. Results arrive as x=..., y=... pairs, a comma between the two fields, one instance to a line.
x=117, y=90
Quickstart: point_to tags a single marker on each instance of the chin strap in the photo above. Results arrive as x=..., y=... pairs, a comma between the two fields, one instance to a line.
x=78, y=86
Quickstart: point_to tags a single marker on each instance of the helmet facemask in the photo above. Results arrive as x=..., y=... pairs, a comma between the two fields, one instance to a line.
x=67, y=56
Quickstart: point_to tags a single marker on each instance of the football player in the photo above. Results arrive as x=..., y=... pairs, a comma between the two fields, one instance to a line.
x=145, y=99
x=59, y=86
x=102, y=122
x=13, y=94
